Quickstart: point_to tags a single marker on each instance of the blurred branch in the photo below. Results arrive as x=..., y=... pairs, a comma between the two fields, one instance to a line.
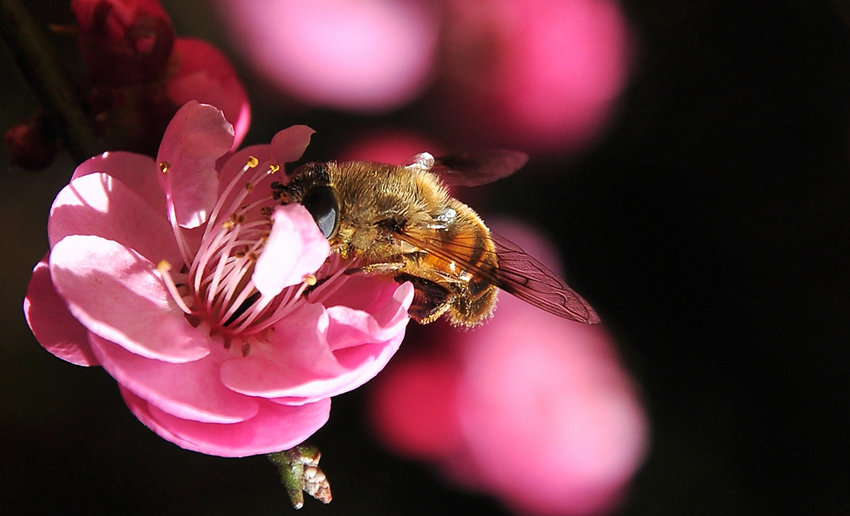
x=42, y=71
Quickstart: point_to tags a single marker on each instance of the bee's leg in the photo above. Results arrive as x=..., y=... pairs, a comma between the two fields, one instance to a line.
x=430, y=300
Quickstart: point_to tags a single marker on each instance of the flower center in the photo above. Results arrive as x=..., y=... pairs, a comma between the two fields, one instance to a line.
x=217, y=286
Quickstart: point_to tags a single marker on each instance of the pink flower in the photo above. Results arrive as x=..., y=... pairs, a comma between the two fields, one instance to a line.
x=139, y=73
x=346, y=54
x=535, y=74
x=530, y=408
x=124, y=42
x=189, y=284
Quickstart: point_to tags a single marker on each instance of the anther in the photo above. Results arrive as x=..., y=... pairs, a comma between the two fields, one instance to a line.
x=164, y=166
x=273, y=168
x=246, y=348
x=252, y=161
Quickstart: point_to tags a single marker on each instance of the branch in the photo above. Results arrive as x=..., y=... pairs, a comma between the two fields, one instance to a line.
x=42, y=71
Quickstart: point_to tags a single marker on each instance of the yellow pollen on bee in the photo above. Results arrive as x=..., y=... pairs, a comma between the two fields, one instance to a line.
x=252, y=162
x=164, y=166
x=273, y=168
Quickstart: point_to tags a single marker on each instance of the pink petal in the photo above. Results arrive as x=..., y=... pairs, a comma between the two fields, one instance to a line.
x=204, y=74
x=298, y=355
x=97, y=204
x=190, y=391
x=289, y=144
x=194, y=139
x=295, y=248
x=301, y=363
x=364, y=292
x=116, y=293
x=274, y=428
x=52, y=323
x=138, y=173
x=383, y=320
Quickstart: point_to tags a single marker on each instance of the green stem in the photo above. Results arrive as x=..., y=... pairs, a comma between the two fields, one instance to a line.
x=42, y=71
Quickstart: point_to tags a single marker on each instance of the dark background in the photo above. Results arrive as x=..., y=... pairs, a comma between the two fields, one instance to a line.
x=709, y=228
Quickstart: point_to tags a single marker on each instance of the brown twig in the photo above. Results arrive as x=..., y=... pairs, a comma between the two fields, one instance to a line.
x=48, y=80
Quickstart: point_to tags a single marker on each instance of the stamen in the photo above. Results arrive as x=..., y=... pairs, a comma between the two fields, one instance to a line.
x=162, y=270
x=219, y=276
x=289, y=301
x=332, y=283
x=182, y=245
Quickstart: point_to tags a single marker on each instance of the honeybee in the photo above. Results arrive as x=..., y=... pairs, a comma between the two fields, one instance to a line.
x=401, y=221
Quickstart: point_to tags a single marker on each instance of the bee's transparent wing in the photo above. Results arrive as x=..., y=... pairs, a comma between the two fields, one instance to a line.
x=522, y=275
x=518, y=273
x=471, y=168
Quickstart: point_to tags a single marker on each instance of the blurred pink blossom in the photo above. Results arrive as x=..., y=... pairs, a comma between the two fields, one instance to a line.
x=203, y=73
x=532, y=409
x=32, y=145
x=123, y=42
x=138, y=73
x=542, y=75
x=387, y=147
x=354, y=55
x=184, y=279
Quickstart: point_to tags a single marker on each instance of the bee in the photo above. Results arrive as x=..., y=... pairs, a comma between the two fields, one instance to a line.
x=400, y=220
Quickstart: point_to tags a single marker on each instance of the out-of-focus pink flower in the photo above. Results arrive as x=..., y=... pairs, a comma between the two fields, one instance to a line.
x=387, y=147
x=204, y=74
x=123, y=42
x=32, y=145
x=345, y=54
x=185, y=280
x=539, y=74
x=139, y=73
x=535, y=410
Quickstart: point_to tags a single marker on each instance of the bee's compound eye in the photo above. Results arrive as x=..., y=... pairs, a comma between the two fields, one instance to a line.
x=323, y=205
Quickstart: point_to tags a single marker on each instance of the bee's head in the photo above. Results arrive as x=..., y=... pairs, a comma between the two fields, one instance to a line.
x=311, y=187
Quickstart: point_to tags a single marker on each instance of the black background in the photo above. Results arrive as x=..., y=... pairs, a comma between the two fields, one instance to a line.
x=709, y=228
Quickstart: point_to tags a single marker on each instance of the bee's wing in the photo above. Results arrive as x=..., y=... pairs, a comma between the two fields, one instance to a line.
x=523, y=276
x=518, y=274
x=472, y=168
